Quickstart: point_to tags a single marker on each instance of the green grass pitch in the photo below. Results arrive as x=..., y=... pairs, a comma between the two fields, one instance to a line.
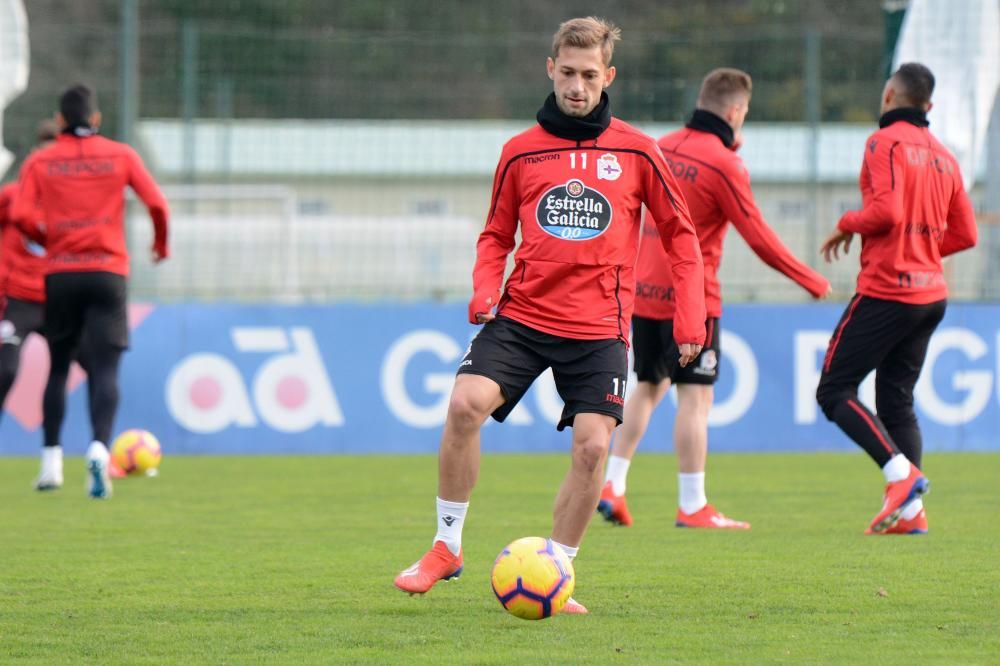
x=251, y=560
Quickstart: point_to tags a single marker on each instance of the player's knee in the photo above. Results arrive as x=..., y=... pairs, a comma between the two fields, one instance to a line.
x=589, y=453
x=829, y=397
x=467, y=410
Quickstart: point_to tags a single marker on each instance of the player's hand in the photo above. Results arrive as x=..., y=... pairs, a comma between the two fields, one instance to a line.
x=833, y=244
x=826, y=294
x=689, y=352
x=483, y=317
x=159, y=254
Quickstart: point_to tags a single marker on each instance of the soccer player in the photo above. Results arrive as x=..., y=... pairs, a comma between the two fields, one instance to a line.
x=716, y=186
x=576, y=182
x=76, y=185
x=22, y=298
x=914, y=212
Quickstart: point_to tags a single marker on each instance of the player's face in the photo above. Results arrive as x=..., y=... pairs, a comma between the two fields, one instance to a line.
x=578, y=77
x=888, y=97
x=738, y=114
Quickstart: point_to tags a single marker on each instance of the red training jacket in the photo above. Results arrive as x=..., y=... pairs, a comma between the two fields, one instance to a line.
x=716, y=186
x=22, y=261
x=78, y=185
x=579, y=204
x=915, y=211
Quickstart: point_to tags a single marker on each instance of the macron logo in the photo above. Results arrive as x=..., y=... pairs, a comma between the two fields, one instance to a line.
x=448, y=520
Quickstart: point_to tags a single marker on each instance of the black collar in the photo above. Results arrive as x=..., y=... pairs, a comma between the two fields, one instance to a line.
x=706, y=121
x=590, y=126
x=909, y=114
x=80, y=130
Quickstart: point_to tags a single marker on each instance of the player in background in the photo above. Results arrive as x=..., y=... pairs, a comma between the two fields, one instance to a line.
x=75, y=186
x=22, y=300
x=914, y=212
x=716, y=186
x=576, y=182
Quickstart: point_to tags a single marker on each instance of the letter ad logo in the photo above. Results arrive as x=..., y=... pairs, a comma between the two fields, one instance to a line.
x=574, y=212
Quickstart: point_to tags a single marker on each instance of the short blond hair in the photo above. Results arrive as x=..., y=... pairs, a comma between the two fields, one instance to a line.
x=723, y=87
x=587, y=33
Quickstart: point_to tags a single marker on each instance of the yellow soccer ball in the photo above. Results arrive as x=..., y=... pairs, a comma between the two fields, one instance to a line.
x=136, y=452
x=533, y=578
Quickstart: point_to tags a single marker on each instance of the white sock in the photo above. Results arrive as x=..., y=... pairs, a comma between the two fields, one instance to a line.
x=97, y=451
x=569, y=550
x=691, y=492
x=52, y=459
x=897, y=469
x=911, y=511
x=617, y=473
x=450, y=518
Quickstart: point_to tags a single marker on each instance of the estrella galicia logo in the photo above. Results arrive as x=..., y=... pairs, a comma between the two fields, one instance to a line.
x=574, y=212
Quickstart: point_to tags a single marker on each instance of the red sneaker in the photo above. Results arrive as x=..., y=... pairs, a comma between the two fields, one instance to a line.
x=613, y=508
x=916, y=525
x=708, y=516
x=899, y=495
x=437, y=564
x=114, y=471
x=574, y=607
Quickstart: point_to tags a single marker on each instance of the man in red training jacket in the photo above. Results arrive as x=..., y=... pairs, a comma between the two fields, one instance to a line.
x=716, y=186
x=22, y=301
x=915, y=212
x=72, y=200
x=575, y=184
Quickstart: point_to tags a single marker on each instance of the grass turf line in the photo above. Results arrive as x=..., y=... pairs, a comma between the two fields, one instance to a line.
x=291, y=560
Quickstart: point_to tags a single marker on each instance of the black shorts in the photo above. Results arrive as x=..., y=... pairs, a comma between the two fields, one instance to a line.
x=657, y=357
x=18, y=319
x=590, y=374
x=91, y=305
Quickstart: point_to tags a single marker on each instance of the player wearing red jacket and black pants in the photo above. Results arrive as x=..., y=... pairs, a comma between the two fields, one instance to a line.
x=22, y=282
x=76, y=185
x=915, y=212
x=576, y=183
x=716, y=186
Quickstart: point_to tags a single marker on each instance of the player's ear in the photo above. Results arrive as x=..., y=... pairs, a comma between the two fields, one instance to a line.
x=60, y=121
x=550, y=67
x=930, y=105
x=95, y=119
x=609, y=75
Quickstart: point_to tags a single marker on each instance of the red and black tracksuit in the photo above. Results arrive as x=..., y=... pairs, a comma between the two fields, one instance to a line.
x=716, y=186
x=72, y=200
x=22, y=291
x=915, y=212
x=575, y=187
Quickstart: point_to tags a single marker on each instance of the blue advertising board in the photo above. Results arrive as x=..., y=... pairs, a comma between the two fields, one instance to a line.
x=376, y=378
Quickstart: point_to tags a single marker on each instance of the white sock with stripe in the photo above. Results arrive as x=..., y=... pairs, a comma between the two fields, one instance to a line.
x=450, y=518
x=617, y=473
x=897, y=469
x=691, y=492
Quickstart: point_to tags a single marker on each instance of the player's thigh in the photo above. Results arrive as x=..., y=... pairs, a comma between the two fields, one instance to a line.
x=899, y=370
x=655, y=354
x=507, y=353
x=475, y=395
x=64, y=312
x=590, y=376
x=106, y=315
x=867, y=331
x=20, y=319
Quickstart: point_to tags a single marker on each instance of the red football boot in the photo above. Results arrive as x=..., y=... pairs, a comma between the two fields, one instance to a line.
x=613, y=508
x=574, y=607
x=709, y=517
x=916, y=525
x=437, y=564
x=898, y=496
